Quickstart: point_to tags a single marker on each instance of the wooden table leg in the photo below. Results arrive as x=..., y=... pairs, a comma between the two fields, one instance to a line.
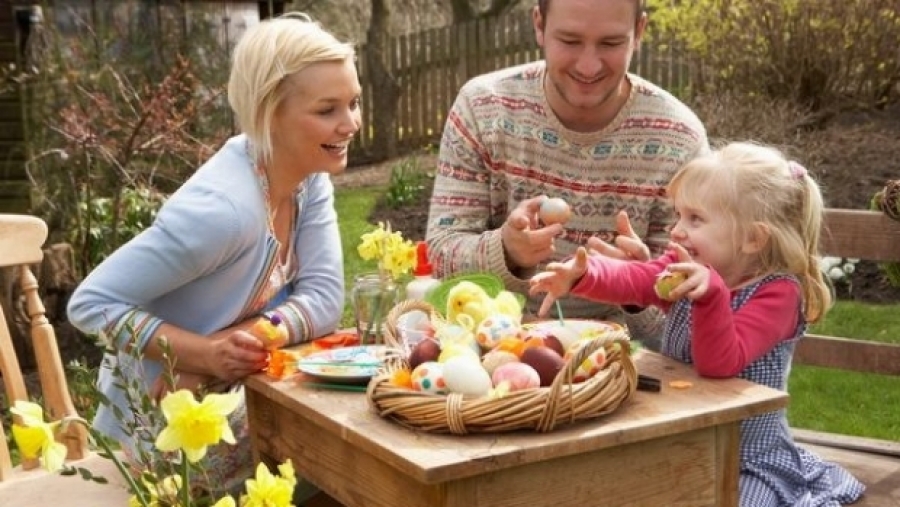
x=728, y=466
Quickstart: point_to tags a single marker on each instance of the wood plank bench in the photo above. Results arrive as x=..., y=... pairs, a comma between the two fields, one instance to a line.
x=871, y=236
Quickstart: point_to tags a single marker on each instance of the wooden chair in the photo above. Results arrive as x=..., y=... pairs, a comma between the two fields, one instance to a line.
x=871, y=236
x=21, y=238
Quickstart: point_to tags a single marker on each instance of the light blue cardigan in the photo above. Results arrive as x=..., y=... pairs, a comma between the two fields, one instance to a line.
x=202, y=262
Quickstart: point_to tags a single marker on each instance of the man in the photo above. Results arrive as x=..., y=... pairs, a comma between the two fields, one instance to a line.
x=576, y=126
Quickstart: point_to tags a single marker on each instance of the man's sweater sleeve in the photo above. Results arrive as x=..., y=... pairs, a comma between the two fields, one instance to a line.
x=725, y=342
x=463, y=228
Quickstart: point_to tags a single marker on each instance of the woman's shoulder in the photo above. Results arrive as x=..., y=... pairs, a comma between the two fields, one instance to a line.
x=222, y=195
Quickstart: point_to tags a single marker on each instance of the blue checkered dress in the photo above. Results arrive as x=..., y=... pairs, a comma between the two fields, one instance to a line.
x=775, y=472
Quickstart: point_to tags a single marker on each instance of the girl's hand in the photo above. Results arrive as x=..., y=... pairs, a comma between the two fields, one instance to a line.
x=697, y=282
x=558, y=279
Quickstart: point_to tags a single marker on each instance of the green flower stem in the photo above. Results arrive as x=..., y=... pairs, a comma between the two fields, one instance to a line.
x=132, y=484
x=186, y=487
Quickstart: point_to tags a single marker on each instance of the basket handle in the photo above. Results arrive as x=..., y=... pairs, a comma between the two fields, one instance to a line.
x=392, y=336
x=564, y=378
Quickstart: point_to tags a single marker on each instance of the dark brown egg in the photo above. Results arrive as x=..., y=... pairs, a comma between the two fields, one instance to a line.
x=545, y=361
x=426, y=350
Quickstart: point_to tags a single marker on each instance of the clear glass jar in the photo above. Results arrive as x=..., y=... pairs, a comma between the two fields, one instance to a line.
x=372, y=297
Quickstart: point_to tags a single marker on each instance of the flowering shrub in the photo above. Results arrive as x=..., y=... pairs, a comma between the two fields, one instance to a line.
x=187, y=428
x=192, y=427
x=837, y=269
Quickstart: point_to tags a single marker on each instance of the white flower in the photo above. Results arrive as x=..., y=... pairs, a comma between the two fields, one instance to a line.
x=826, y=263
x=836, y=273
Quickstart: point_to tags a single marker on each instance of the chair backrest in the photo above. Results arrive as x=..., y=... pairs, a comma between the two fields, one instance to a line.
x=867, y=235
x=21, y=239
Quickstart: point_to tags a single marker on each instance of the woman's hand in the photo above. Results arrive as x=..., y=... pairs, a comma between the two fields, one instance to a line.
x=558, y=279
x=628, y=245
x=235, y=353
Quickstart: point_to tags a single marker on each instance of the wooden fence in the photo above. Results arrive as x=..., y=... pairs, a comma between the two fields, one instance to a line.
x=14, y=186
x=431, y=66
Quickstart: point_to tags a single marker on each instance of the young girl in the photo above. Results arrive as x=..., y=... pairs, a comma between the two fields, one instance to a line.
x=746, y=241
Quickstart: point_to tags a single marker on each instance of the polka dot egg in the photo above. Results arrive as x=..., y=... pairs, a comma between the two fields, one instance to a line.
x=428, y=377
x=495, y=328
x=590, y=366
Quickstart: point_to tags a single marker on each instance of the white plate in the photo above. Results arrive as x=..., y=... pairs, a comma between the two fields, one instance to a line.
x=347, y=365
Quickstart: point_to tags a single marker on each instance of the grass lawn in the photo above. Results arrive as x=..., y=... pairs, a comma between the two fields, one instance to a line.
x=852, y=403
x=821, y=399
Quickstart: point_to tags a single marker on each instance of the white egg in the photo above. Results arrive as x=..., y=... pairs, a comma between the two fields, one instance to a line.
x=554, y=211
x=465, y=376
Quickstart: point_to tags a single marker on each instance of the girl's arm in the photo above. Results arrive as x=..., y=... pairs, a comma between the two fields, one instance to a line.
x=622, y=282
x=725, y=342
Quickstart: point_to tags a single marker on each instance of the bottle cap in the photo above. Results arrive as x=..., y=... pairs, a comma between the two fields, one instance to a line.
x=423, y=267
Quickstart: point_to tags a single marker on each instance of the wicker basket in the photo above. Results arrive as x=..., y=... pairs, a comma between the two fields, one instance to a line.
x=541, y=409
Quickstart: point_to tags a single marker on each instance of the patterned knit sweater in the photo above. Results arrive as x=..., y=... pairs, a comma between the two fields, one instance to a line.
x=502, y=144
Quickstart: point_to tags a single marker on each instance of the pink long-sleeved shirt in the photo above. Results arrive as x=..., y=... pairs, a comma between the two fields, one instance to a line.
x=723, y=341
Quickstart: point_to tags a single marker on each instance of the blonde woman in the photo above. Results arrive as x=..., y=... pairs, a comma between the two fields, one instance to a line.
x=252, y=232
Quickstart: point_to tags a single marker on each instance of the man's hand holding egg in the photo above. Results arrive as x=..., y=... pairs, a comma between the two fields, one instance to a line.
x=554, y=211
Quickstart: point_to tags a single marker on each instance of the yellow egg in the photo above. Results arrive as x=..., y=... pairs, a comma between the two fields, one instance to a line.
x=455, y=349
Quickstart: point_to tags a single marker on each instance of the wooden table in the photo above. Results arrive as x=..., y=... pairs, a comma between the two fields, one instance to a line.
x=678, y=447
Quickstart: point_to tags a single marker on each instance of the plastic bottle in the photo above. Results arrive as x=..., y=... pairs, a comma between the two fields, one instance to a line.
x=424, y=281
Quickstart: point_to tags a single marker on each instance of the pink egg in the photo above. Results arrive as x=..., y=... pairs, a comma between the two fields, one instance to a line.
x=518, y=376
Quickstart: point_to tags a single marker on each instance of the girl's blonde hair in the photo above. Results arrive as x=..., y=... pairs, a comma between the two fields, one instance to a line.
x=756, y=185
x=263, y=59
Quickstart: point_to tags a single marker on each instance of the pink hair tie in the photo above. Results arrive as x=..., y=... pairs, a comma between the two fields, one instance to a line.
x=797, y=170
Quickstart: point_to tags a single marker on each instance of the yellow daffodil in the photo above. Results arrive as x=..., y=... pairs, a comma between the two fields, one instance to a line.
x=268, y=490
x=389, y=249
x=34, y=436
x=193, y=426
x=225, y=501
x=162, y=494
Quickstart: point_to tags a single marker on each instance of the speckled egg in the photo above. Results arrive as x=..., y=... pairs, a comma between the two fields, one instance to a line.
x=589, y=367
x=516, y=376
x=494, y=328
x=428, y=377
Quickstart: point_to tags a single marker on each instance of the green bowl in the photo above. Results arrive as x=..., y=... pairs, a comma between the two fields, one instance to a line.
x=491, y=283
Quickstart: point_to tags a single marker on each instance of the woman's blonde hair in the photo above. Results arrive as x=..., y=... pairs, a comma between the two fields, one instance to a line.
x=756, y=185
x=267, y=54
